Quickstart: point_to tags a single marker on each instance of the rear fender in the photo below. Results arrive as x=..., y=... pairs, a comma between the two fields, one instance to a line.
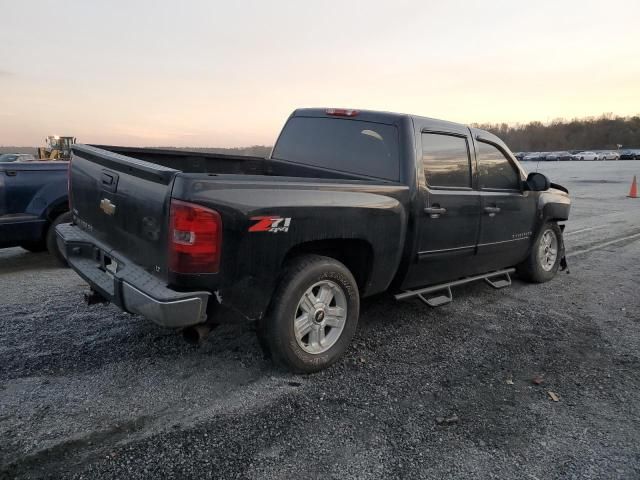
x=50, y=197
x=57, y=208
x=251, y=295
x=266, y=219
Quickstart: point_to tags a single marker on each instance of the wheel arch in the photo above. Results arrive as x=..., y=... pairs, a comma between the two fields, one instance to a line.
x=356, y=254
x=56, y=209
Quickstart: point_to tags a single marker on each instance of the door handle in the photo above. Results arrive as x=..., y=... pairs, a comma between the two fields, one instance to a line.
x=492, y=211
x=435, y=211
x=11, y=173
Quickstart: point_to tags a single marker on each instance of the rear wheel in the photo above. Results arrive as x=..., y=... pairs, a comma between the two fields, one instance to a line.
x=314, y=314
x=52, y=243
x=544, y=259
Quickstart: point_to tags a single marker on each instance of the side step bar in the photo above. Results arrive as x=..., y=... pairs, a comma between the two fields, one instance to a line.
x=441, y=294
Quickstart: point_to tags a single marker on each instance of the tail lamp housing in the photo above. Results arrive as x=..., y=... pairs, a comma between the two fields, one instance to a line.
x=195, y=238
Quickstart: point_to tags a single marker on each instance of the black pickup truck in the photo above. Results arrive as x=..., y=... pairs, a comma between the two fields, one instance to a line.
x=349, y=204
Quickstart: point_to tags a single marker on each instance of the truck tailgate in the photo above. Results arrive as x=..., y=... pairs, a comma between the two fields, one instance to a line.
x=123, y=202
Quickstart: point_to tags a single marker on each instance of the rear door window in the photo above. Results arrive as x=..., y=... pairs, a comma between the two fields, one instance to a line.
x=445, y=159
x=352, y=146
x=495, y=170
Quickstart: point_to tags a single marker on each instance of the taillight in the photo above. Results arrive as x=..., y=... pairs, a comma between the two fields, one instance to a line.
x=341, y=112
x=195, y=238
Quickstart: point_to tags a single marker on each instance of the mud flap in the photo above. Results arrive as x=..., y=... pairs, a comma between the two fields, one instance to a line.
x=563, y=258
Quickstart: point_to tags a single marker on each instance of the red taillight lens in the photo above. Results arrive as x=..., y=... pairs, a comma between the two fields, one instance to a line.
x=195, y=238
x=341, y=112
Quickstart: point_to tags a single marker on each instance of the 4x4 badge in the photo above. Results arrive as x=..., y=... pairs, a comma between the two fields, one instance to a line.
x=107, y=207
x=270, y=224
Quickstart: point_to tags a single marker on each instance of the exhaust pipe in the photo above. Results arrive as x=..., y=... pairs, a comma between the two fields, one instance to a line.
x=197, y=334
x=92, y=298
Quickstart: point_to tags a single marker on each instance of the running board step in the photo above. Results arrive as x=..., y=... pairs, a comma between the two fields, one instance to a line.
x=499, y=281
x=437, y=300
x=437, y=295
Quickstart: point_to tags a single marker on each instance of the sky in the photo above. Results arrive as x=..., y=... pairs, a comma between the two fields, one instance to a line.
x=224, y=73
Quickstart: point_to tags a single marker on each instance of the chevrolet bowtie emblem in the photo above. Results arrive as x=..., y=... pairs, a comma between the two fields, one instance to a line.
x=107, y=207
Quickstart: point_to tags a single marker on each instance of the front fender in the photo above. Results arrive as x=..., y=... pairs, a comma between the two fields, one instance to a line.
x=554, y=205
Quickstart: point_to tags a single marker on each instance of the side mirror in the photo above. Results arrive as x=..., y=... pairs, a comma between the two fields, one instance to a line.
x=537, y=182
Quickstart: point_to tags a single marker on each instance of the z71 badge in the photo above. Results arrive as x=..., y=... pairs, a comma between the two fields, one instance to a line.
x=270, y=224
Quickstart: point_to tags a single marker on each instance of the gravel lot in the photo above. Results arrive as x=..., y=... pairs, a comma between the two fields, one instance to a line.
x=90, y=392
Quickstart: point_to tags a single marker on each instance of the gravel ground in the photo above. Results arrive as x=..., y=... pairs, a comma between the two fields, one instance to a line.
x=90, y=392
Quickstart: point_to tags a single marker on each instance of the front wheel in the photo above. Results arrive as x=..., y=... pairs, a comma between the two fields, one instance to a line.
x=313, y=314
x=544, y=258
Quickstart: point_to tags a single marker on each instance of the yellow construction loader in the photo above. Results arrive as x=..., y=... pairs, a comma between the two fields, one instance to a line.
x=57, y=148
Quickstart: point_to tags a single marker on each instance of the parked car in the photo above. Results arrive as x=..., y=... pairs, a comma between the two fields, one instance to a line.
x=609, y=156
x=349, y=204
x=586, y=156
x=33, y=200
x=17, y=157
x=630, y=155
x=519, y=155
x=558, y=156
x=534, y=157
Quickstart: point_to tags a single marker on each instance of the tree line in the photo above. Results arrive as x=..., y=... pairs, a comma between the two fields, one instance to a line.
x=606, y=132
x=252, y=151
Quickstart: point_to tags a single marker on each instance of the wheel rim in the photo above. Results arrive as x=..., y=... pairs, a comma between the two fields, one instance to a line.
x=548, y=250
x=320, y=317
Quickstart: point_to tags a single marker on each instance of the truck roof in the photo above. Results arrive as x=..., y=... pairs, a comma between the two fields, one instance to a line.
x=366, y=115
x=394, y=118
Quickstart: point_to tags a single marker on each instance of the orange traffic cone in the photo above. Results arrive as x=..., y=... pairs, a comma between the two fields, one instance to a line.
x=633, y=193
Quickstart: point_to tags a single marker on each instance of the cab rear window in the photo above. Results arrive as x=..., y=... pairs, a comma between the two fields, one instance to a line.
x=353, y=146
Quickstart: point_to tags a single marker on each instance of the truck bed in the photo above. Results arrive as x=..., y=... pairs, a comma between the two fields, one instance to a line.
x=122, y=197
x=215, y=163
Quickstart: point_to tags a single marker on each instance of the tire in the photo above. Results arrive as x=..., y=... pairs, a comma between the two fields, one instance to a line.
x=52, y=243
x=541, y=266
x=316, y=298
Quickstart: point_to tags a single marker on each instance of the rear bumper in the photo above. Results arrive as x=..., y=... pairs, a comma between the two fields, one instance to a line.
x=130, y=287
